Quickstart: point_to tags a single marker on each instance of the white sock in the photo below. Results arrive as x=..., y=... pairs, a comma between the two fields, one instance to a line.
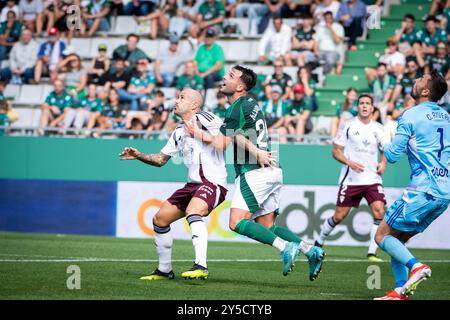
x=305, y=247
x=279, y=243
x=164, y=242
x=373, y=245
x=199, y=238
x=325, y=230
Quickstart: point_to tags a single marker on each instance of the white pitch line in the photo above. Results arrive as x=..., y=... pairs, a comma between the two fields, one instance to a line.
x=190, y=260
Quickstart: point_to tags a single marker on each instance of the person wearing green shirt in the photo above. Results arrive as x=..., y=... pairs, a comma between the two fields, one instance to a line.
x=404, y=86
x=406, y=36
x=210, y=60
x=96, y=15
x=256, y=202
x=439, y=61
x=211, y=15
x=10, y=31
x=189, y=79
x=275, y=111
x=382, y=87
x=431, y=35
x=56, y=105
x=222, y=106
x=4, y=120
x=344, y=111
x=298, y=120
x=130, y=53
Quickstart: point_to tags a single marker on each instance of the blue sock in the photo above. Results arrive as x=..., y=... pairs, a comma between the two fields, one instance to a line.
x=397, y=250
x=400, y=273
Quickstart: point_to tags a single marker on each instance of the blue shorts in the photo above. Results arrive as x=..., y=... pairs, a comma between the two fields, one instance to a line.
x=415, y=211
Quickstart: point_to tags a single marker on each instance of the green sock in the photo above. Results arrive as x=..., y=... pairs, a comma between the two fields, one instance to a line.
x=285, y=234
x=255, y=231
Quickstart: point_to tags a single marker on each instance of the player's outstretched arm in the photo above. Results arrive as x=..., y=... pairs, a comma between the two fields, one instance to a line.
x=156, y=159
x=264, y=158
x=394, y=150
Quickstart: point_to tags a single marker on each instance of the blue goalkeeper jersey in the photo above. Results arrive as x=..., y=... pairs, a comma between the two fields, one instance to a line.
x=424, y=131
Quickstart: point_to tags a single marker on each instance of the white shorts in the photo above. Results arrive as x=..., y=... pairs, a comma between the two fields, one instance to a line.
x=258, y=191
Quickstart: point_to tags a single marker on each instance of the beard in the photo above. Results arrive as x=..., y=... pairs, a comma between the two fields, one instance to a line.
x=414, y=94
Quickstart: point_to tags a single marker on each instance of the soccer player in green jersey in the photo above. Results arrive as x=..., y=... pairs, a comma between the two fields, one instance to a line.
x=255, y=204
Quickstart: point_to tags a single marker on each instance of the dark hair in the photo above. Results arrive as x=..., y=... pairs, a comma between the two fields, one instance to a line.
x=328, y=13
x=248, y=77
x=409, y=16
x=366, y=95
x=381, y=64
x=159, y=93
x=277, y=16
x=437, y=86
x=346, y=104
x=133, y=35
x=4, y=105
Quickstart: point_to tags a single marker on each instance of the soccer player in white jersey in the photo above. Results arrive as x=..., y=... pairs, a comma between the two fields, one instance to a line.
x=204, y=191
x=357, y=148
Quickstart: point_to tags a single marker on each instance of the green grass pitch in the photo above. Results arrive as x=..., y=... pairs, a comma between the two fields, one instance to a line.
x=34, y=266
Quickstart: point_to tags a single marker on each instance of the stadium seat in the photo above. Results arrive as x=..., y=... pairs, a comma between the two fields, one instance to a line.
x=418, y=10
x=82, y=47
x=125, y=25
x=381, y=34
x=30, y=94
x=12, y=92
x=343, y=82
x=150, y=47
x=26, y=117
x=169, y=93
x=238, y=51
x=46, y=89
x=243, y=25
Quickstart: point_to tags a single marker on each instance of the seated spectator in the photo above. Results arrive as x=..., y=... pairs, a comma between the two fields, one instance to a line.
x=158, y=112
x=130, y=52
x=394, y=60
x=278, y=78
x=406, y=36
x=210, y=60
x=275, y=111
x=4, y=119
x=116, y=8
x=309, y=86
x=352, y=16
x=255, y=11
x=30, y=15
x=404, y=85
x=429, y=36
x=439, y=61
x=74, y=75
x=22, y=60
x=298, y=119
x=274, y=6
x=189, y=79
x=57, y=103
x=113, y=114
x=49, y=55
x=221, y=108
x=211, y=15
x=11, y=5
x=169, y=60
x=10, y=31
x=97, y=16
x=185, y=19
x=140, y=7
x=157, y=19
x=329, y=43
x=117, y=78
x=275, y=42
x=325, y=6
x=140, y=88
x=99, y=66
x=296, y=8
x=303, y=43
x=382, y=87
x=345, y=111
x=85, y=112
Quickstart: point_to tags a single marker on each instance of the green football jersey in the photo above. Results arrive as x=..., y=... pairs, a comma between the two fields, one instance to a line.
x=245, y=117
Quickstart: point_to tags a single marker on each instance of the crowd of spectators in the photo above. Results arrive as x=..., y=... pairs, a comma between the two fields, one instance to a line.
x=123, y=90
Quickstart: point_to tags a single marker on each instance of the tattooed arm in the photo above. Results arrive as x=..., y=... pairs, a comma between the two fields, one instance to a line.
x=154, y=159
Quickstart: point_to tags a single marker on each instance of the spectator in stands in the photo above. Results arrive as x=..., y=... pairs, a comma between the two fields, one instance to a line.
x=97, y=15
x=436, y=6
x=275, y=111
x=31, y=12
x=210, y=60
x=112, y=115
x=4, y=119
x=406, y=36
x=158, y=112
x=255, y=11
x=116, y=7
x=22, y=60
x=59, y=16
x=352, y=16
x=439, y=61
x=117, y=78
x=258, y=91
x=298, y=119
x=10, y=31
x=221, y=108
x=394, y=59
x=74, y=75
x=296, y=8
x=211, y=15
x=130, y=52
x=329, y=43
x=303, y=43
x=326, y=6
x=382, y=87
x=49, y=55
x=85, y=112
x=275, y=6
x=344, y=111
x=275, y=42
x=99, y=66
x=404, y=84
x=140, y=88
x=140, y=7
x=57, y=103
x=11, y=5
x=430, y=35
x=185, y=19
x=169, y=60
x=190, y=78
x=278, y=78
x=157, y=22
x=308, y=85
x=445, y=21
